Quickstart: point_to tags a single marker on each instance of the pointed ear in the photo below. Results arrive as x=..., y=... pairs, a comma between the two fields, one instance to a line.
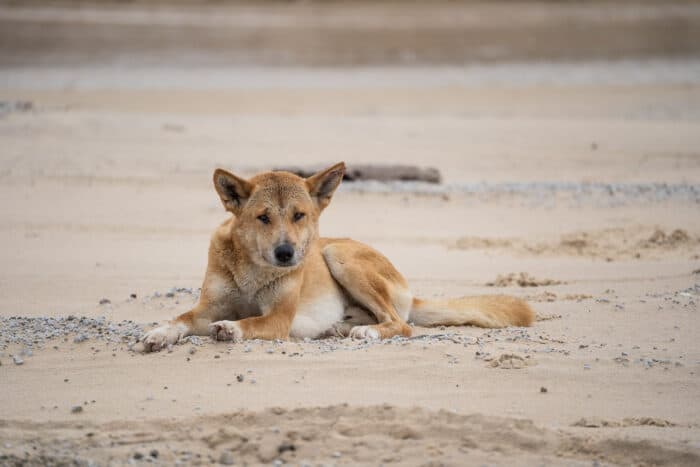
x=322, y=185
x=233, y=191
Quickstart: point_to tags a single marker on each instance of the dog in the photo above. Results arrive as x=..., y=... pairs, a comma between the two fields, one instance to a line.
x=271, y=275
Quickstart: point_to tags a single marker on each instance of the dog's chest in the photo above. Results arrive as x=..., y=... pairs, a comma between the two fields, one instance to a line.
x=316, y=315
x=244, y=308
x=252, y=292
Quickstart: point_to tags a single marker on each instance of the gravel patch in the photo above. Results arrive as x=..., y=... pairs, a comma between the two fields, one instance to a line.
x=546, y=193
x=35, y=332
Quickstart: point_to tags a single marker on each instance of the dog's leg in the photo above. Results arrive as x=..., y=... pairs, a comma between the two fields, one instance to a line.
x=374, y=283
x=213, y=305
x=354, y=317
x=274, y=324
x=170, y=333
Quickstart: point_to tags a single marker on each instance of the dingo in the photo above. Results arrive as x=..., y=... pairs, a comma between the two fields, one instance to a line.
x=270, y=275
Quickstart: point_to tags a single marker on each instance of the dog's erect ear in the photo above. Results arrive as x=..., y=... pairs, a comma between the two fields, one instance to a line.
x=233, y=191
x=322, y=185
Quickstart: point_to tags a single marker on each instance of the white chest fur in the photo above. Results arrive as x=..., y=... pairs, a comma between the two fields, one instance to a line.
x=317, y=315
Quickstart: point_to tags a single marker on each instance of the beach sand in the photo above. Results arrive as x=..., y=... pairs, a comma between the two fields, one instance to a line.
x=577, y=190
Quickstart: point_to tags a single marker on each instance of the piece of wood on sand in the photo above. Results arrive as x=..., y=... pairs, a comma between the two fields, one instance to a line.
x=382, y=173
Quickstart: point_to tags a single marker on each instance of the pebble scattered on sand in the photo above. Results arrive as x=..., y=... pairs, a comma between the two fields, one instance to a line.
x=570, y=193
x=510, y=362
x=173, y=292
x=35, y=332
x=597, y=422
x=522, y=279
x=80, y=338
x=226, y=458
x=7, y=107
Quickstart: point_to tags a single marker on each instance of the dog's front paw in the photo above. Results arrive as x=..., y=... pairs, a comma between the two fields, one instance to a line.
x=364, y=332
x=225, y=331
x=162, y=336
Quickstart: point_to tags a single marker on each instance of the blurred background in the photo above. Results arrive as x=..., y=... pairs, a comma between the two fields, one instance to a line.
x=342, y=33
x=404, y=81
x=379, y=74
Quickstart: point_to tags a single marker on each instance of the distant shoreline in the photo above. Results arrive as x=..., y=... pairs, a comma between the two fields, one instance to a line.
x=344, y=34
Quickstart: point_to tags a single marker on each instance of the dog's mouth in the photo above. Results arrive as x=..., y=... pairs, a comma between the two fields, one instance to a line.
x=283, y=264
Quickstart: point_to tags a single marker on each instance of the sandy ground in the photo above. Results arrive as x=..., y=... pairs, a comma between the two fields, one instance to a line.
x=582, y=175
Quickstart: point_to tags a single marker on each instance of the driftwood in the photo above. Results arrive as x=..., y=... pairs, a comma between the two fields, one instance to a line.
x=383, y=173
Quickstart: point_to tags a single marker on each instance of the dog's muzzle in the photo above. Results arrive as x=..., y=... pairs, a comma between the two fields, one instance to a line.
x=284, y=254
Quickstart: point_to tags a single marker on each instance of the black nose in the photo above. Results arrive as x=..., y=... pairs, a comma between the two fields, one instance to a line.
x=284, y=253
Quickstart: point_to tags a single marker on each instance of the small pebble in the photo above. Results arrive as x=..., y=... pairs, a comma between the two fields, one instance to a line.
x=226, y=458
x=80, y=338
x=240, y=378
x=104, y=301
x=76, y=409
x=543, y=389
x=17, y=360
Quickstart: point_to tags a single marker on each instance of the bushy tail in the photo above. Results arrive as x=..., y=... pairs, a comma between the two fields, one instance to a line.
x=486, y=311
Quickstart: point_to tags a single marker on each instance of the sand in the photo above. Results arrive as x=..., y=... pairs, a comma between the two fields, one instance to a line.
x=576, y=189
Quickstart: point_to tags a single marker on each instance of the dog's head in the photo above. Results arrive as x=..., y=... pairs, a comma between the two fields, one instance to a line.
x=277, y=212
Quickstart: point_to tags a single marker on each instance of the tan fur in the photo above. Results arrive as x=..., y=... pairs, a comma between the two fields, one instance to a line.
x=327, y=285
x=486, y=311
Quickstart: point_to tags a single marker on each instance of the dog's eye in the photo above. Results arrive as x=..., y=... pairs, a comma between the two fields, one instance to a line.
x=264, y=219
x=299, y=216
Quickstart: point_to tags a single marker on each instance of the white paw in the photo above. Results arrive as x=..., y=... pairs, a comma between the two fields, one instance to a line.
x=225, y=331
x=364, y=332
x=162, y=336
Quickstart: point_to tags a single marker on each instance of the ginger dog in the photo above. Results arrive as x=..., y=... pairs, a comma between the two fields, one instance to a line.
x=271, y=276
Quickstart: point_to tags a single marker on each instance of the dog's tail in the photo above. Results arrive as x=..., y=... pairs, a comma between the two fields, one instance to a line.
x=486, y=311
